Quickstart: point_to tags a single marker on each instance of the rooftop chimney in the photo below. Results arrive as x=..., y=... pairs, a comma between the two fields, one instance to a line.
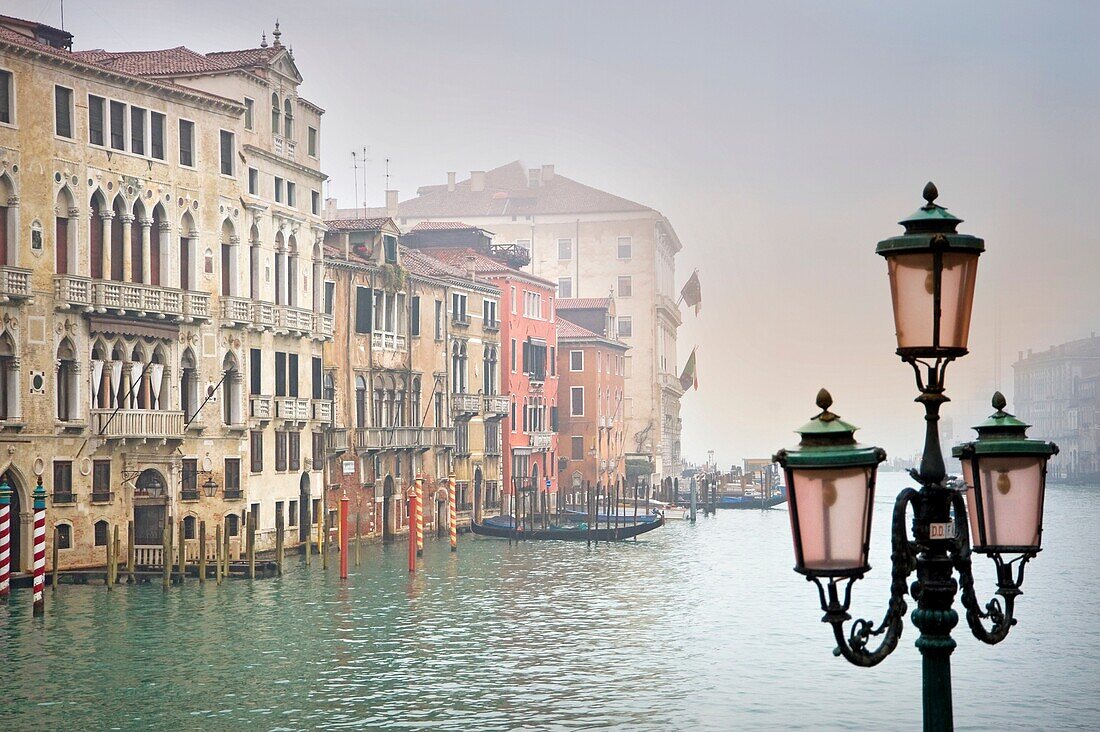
x=471, y=270
x=533, y=177
x=330, y=208
x=477, y=181
x=547, y=173
x=450, y=182
x=391, y=204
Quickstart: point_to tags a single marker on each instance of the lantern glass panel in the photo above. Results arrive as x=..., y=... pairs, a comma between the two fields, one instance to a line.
x=971, y=509
x=834, y=517
x=1011, y=495
x=912, y=287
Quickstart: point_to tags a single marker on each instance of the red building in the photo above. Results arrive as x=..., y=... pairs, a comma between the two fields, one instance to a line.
x=529, y=344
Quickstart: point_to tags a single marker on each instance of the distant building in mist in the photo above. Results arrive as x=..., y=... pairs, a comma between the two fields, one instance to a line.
x=590, y=243
x=1058, y=393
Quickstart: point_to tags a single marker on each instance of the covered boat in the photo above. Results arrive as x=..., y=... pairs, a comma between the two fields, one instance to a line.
x=503, y=527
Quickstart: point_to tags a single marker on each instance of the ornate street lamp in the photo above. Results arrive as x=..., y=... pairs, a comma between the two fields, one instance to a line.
x=210, y=487
x=831, y=479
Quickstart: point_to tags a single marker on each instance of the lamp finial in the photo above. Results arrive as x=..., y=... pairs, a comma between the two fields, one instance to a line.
x=999, y=402
x=931, y=193
x=824, y=400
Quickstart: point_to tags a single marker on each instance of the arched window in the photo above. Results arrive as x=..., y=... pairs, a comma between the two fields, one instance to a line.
x=101, y=384
x=101, y=528
x=158, y=388
x=414, y=403
x=274, y=113
x=9, y=379
x=232, y=524
x=489, y=370
x=254, y=263
x=115, y=377
x=118, y=243
x=189, y=385
x=68, y=400
x=292, y=272
x=189, y=524
x=231, y=391
x=139, y=239
x=136, y=380
x=288, y=118
x=64, y=233
x=280, y=269
x=229, y=244
x=158, y=246
x=7, y=223
x=95, y=234
x=63, y=534
x=189, y=253
x=360, y=402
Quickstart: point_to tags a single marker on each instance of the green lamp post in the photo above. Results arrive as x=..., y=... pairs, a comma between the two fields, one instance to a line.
x=932, y=270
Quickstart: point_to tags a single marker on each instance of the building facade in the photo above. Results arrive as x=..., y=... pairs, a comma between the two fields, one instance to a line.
x=528, y=349
x=591, y=361
x=588, y=243
x=1056, y=391
x=130, y=316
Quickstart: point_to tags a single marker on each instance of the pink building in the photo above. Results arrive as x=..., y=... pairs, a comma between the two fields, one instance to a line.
x=529, y=343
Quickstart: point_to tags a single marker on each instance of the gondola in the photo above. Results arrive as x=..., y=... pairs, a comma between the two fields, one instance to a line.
x=502, y=527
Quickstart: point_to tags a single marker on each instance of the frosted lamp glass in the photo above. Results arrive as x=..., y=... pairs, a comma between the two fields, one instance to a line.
x=1012, y=500
x=833, y=517
x=912, y=289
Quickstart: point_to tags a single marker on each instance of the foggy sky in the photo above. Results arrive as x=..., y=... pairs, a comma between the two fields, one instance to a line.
x=783, y=140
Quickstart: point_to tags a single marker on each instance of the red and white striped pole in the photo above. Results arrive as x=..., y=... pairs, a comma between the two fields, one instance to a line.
x=410, y=502
x=39, y=582
x=344, y=536
x=5, y=539
x=419, y=517
x=452, y=513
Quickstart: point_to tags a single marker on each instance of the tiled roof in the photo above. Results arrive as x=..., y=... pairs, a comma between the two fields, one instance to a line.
x=178, y=60
x=341, y=225
x=94, y=61
x=507, y=191
x=419, y=263
x=569, y=329
x=444, y=226
x=466, y=257
x=578, y=303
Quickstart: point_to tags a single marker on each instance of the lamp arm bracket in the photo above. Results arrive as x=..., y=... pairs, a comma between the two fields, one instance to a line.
x=903, y=563
x=1008, y=586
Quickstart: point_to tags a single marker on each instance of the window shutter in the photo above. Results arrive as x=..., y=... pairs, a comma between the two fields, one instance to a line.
x=316, y=376
x=414, y=317
x=526, y=355
x=554, y=419
x=292, y=375
x=280, y=373
x=364, y=303
x=255, y=365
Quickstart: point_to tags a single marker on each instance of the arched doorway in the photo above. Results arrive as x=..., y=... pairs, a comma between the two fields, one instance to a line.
x=303, y=508
x=15, y=536
x=150, y=509
x=387, y=510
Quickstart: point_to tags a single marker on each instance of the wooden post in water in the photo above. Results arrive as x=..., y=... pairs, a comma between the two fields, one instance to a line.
x=691, y=497
x=166, y=553
x=218, y=554
x=131, y=553
x=183, y=553
x=53, y=580
x=344, y=503
x=279, y=543
x=251, y=545
x=202, y=552
x=309, y=543
x=588, y=508
x=358, y=533
x=322, y=537
x=225, y=553
x=115, y=557
x=108, y=579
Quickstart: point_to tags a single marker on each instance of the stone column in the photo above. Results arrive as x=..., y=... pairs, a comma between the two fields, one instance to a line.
x=146, y=251
x=127, y=251
x=169, y=258
x=234, y=266
x=15, y=390
x=13, y=227
x=74, y=266
x=76, y=398
x=108, y=220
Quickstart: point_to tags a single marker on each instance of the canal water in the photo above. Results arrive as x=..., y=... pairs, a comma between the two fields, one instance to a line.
x=699, y=626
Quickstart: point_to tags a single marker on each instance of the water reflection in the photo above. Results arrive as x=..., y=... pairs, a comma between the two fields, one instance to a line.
x=693, y=627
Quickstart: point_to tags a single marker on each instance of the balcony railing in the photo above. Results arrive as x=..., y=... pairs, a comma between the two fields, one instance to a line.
x=336, y=440
x=669, y=308
x=196, y=305
x=137, y=423
x=491, y=325
x=322, y=326
x=263, y=315
x=388, y=341
x=386, y=438
x=60, y=497
x=139, y=299
x=15, y=283
x=496, y=405
x=671, y=382
x=188, y=494
x=285, y=146
x=236, y=311
x=295, y=319
x=71, y=291
x=233, y=494
x=292, y=408
x=461, y=320
x=443, y=436
x=259, y=407
x=322, y=410
x=465, y=404
x=102, y=496
x=541, y=440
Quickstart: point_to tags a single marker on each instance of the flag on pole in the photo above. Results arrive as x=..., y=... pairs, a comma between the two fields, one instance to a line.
x=692, y=292
x=689, y=377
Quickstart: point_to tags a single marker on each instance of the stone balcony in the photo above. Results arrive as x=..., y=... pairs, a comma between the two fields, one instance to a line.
x=137, y=424
x=465, y=405
x=260, y=407
x=322, y=410
x=388, y=341
x=236, y=311
x=130, y=299
x=322, y=326
x=284, y=146
x=541, y=440
x=15, y=284
x=443, y=436
x=263, y=315
x=496, y=406
x=387, y=438
x=336, y=440
x=668, y=308
x=292, y=409
x=295, y=320
x=670, y=382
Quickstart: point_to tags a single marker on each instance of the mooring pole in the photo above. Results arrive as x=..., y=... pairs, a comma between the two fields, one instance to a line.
x=251, y=545
x=410, y=509
x=5, y=540
x=344, y=535
x=419, y=484
x=358, y=533
x=452, y=513
x=39, y=579
x=183, y=554
x=54, y=579
x=131, y=552
x=202, y=552
x=108, y=578
x=166, y=553
x=217, y=554
x=692, y=489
